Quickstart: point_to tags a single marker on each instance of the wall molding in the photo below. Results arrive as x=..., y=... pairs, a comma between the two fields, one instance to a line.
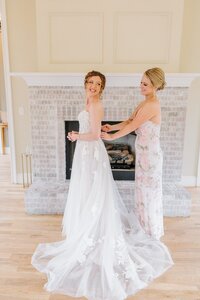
x=168, y=34
x=98, y=15
x=113, y=79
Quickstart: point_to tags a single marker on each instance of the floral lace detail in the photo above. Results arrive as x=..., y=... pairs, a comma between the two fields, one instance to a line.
x=84, y=153
x=96, y=153
x=85, y=150
x=125, y=269
x=121, y=250
x=89, y=245
x=84, y=121
x=148, y=179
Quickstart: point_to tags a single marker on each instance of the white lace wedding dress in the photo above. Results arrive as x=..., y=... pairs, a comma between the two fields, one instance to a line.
x=105, y=255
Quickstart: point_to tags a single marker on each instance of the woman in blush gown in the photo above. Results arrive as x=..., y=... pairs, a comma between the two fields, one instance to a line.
x=105, y=253
x=145, y=121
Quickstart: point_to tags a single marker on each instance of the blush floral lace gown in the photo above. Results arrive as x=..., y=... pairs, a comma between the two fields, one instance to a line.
x=105, y=254
x=148, y=179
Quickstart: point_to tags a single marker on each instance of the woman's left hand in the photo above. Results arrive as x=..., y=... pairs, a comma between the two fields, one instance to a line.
x=106, y=136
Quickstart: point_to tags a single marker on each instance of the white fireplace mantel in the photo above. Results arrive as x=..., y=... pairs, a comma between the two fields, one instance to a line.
x=113, y=79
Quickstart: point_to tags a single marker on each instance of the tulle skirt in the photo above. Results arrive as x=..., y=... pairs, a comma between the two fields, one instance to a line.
x=105, y=254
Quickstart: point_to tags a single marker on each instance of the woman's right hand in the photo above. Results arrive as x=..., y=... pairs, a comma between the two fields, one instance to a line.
x=106, y=127
x=73, y=136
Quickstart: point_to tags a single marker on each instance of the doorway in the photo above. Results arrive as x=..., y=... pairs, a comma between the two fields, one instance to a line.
x=6, y=116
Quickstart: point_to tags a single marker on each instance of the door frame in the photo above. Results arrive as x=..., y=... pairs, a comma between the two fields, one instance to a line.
x=8, y=90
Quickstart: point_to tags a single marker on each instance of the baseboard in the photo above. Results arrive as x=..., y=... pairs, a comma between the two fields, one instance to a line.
x=189, y=181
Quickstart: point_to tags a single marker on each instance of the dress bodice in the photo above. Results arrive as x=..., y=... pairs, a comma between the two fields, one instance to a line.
x=148, y=136
x=149, y=128
x=84, y=121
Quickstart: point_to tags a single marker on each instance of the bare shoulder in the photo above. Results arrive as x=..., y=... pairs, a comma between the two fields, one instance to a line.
x=96, y=107
x=96, y=110
x=151, y=105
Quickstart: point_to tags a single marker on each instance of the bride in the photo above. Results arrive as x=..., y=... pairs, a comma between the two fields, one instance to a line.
x=105, y=254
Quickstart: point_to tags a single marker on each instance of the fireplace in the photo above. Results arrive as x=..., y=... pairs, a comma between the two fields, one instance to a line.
x=56, y=98
x=121, y=153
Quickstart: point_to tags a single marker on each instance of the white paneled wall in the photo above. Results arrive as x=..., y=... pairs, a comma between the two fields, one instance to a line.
x=110, y=35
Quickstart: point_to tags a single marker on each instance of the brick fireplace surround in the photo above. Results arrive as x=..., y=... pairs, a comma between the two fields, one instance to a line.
x=55, y=98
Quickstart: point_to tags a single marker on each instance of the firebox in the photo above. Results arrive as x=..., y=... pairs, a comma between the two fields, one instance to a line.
x=121, y=153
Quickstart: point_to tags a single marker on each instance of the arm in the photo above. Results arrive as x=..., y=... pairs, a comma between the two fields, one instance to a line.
x=145, y=113
x=96, y=115
x=119, y=126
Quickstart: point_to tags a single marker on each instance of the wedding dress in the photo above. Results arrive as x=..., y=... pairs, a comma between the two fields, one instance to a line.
x=105, y=255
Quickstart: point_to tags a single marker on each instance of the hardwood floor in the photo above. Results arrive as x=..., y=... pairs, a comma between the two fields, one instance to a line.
x=20, y=233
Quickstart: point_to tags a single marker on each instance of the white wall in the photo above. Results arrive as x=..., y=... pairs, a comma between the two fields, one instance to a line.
x=190, y=62
x=190, y=47
x=2, y=93
x=2, y=86
x=108, y=35
x=192, y=134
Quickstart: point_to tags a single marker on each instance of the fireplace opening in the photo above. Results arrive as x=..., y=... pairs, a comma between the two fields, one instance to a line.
x=121, y=153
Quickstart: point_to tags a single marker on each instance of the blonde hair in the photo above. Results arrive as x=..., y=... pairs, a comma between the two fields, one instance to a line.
x=96, y=73
x=157, y=77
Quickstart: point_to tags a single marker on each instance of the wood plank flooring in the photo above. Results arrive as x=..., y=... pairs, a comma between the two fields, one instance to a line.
x=20, y=233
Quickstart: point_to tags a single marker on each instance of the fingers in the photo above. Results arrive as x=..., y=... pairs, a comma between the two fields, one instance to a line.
x=104, y=135
x=70, y=136
x=105, y=128
x=73, y=136
x=107, y=137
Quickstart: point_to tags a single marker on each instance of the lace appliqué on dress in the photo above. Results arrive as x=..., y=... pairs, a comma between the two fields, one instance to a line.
x=125, y=269
x=89, y=245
